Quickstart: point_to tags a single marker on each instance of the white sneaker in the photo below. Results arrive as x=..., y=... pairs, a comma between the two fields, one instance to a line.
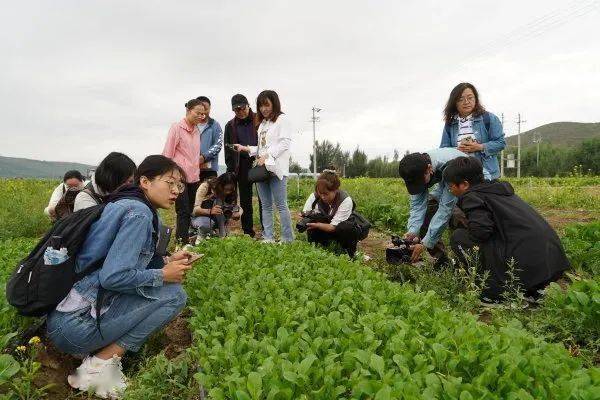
x=267, y=241
x=102, y=377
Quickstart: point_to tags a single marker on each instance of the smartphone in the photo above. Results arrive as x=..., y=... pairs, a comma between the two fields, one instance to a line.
x=194, y=257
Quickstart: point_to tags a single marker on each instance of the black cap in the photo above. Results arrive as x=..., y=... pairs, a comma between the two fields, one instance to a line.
x=239, y=100
x=412, y=169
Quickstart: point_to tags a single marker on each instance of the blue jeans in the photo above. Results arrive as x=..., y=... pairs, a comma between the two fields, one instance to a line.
x=128, y=322
x=275, y=190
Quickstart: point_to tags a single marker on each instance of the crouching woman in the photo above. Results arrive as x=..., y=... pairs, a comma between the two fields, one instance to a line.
x=117, y=307
x=334, y=209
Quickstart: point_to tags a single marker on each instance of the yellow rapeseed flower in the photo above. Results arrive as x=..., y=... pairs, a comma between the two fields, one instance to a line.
x=35, y=340
x=21, y=348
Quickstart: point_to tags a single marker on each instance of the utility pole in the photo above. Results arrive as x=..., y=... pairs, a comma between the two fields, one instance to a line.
x=537, y=138
x=519, y=122
x=314, y=120
x=502, y=152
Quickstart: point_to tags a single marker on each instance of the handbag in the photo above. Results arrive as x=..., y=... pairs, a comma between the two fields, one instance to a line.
x=259, y=174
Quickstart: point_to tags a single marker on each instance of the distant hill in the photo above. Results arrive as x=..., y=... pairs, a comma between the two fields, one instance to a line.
x=25, y=168
x=559, y=134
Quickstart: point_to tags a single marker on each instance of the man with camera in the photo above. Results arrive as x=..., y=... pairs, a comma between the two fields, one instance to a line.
x=242, y=130
x=431, y=203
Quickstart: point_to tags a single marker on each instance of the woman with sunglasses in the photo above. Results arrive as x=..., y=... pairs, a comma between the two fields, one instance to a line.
x=472, y=129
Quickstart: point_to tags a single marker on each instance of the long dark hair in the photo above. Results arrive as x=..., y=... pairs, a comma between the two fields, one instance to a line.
x=262, y=99
x=113, y=171
x=217, y=186
x=157, y=165
x=450, y=110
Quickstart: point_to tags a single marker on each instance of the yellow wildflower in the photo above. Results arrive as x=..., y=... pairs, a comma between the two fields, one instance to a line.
x=21, y=348
x=35, y=340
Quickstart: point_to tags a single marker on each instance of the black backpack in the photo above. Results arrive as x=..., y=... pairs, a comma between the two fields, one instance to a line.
x=34, y=288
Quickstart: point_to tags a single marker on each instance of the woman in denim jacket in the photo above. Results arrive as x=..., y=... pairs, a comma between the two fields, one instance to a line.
x=473, y=130
x=137, y=299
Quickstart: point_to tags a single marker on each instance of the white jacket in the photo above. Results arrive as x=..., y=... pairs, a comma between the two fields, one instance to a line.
x=274, y=139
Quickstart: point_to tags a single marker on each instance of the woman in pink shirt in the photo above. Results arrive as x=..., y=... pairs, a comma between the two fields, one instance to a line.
x=183, y=147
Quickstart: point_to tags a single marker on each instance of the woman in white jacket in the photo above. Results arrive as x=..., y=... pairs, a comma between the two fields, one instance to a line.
x=274, y=138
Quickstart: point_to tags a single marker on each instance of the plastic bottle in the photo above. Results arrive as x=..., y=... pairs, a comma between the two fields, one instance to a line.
x=55, y=254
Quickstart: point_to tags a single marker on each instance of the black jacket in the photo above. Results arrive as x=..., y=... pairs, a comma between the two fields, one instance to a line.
x=230, y=137
x=505, y=227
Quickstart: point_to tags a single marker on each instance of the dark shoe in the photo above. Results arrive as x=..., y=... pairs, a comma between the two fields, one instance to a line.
x=250, y=233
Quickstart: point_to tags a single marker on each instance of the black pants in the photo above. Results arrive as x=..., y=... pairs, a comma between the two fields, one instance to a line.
x=345, y=234
x=207, y=174
x=462, y=247
x=245, y=192
x=183, y=207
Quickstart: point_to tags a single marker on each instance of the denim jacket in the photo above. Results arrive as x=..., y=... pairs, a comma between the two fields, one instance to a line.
x=441, y=192
x=493, y=142
x=211, y=142
x=123, y=236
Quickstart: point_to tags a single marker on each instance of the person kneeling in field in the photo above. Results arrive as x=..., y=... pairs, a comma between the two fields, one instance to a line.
x=215, y=206
x=504, y=230
x=117, y=307
x=326, y=215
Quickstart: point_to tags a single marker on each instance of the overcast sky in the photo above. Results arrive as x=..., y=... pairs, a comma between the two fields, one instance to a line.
x=82, y=78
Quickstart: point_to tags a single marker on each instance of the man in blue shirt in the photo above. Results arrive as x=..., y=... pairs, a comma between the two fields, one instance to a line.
x=421, y=172
x=211, y=143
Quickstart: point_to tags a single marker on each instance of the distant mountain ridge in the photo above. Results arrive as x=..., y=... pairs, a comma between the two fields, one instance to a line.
x=11, y=167
x=559, y=134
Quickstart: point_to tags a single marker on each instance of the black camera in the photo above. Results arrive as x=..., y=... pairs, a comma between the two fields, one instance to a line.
x=311, y=216
x=228, y=210
x=400, y=253
x=229, y=146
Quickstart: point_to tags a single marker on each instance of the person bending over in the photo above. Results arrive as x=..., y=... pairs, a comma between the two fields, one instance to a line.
x=72, y=180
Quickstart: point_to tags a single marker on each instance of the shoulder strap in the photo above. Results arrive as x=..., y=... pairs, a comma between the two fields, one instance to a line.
x=89, y=189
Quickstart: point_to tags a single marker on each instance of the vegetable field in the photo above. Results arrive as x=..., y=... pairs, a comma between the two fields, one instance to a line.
x=295, y=322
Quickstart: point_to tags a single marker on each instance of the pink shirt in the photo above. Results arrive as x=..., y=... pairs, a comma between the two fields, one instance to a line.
x=183, y=147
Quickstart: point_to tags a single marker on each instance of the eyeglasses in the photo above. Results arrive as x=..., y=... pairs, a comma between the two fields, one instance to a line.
x=469, y=99
x=239, y=108
x=179, y=186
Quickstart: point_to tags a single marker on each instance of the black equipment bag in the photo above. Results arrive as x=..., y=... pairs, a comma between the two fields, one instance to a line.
x=35, y=288
x=362, y=224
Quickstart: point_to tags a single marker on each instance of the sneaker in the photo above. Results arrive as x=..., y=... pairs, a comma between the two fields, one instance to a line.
x=267, y=241
x=102, y=377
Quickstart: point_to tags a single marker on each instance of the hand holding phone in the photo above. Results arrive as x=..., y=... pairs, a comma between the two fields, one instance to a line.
x=193, y=257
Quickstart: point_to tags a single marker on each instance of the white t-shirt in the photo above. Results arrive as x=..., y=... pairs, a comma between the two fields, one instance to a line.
x=342, y=214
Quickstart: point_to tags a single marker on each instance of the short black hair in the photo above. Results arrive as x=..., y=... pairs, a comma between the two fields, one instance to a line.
x=463, y=169
x=203, y=99
x=114, y=171
x=413, y=165
x=157, y=165
x=73, y=174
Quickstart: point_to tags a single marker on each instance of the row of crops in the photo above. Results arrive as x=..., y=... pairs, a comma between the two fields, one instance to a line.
x=295, y=323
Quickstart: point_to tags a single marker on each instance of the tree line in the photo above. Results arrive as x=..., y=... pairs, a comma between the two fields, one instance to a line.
x=553, y=161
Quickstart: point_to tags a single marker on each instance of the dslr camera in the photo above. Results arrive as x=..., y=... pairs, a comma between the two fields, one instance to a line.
x=228, y=210
x=400, y=252
x=308, y=217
